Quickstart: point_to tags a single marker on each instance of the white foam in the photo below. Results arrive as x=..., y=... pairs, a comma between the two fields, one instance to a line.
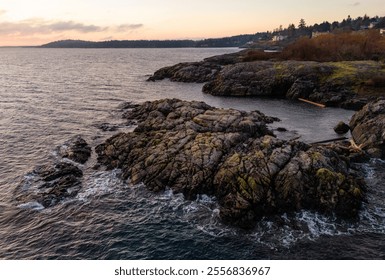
x=100, y=183
x=318, y=224
x=33, y=205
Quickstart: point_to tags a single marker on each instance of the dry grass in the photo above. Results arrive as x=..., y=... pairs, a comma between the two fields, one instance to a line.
x=347, y=46
x=369, y=45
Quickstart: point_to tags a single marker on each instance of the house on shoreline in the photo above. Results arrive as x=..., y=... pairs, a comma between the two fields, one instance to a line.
x=316, y=34
x=278, y=38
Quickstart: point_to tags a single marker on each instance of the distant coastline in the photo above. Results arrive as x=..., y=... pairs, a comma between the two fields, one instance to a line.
x=228, y=42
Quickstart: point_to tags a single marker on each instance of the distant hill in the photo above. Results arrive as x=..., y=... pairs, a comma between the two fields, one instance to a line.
x=121, y=44
x=234, y=41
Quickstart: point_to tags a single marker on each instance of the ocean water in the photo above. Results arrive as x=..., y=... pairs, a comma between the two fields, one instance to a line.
x=49, y=95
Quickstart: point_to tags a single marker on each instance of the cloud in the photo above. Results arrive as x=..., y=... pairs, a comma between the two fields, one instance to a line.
x=2, y=12
x=355, y=4
x=70, y=25
x=128, y=27
x=40, y=26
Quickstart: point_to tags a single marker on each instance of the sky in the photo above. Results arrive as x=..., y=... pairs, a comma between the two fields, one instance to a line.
x=35, y=22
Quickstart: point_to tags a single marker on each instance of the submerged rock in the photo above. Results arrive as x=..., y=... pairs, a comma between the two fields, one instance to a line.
x=194, y=149
x=368, y=128
x=51, y=183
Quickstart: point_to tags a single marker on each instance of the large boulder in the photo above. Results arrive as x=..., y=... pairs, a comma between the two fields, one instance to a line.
x=368, y=128
x=341, y=128
x=194, y=149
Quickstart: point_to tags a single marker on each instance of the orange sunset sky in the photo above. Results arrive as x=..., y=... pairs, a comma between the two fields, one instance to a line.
x=35, y=22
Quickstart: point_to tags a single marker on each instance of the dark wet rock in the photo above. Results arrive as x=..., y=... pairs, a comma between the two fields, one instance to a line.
x=355, y=104
x=335, y=84
x=187, y=72
x=341, y=128
x=127, y=105
x=75, y=149
x=281, y=129
x=49, y=184
x=195, y=149
x=197, y=72
x=53, y=172
x=54, y=182
x=107, y=127
x=368, y=128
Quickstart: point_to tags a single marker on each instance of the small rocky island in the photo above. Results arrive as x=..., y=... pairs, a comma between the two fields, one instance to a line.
x=194, y=148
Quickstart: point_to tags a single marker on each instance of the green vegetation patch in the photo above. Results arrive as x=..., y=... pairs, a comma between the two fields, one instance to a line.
x=327, y=176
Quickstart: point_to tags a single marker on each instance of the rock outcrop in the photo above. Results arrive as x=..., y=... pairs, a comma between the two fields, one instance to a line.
x=368, y=129
x=76, y=149
x=198, y=72
x=194, y=149
x=53, y=182
x=345, y=84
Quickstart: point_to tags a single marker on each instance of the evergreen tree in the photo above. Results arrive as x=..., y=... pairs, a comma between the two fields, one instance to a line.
x=302, y=24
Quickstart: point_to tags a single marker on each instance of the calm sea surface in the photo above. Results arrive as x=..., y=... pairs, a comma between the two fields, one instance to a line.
x=49, y=95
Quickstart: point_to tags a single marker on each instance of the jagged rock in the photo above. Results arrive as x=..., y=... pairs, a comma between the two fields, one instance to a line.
x=49, y=184
x=355, y=104
x=186, y=72
x=368, y=128
x=197, y=72
x=75, y=149
x=341, y=128
x=127, y=105
x=107, y=127
x=194, y=149
x=53, y=182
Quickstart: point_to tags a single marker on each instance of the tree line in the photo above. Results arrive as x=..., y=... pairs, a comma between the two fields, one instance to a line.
x=292, y=31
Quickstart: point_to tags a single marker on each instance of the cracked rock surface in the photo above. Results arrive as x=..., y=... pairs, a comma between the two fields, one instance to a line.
x=194, y=148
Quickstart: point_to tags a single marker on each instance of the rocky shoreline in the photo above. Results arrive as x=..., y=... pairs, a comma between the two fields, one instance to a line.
x=193, y=148
x=346, y=84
